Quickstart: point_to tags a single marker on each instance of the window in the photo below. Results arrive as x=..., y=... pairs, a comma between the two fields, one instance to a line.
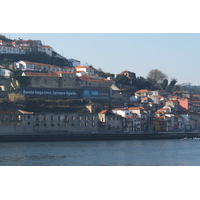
x=19, y=117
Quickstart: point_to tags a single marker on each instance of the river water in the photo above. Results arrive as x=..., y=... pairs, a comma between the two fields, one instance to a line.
x=102, y=153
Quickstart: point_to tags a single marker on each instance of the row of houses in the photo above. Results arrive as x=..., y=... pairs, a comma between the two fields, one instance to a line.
x=171, y=112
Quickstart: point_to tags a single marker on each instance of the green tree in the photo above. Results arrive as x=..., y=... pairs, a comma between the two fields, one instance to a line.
x=122, y=79
x=171, y=85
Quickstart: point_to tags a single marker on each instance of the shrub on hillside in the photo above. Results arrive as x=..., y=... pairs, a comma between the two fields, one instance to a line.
x=16, y=98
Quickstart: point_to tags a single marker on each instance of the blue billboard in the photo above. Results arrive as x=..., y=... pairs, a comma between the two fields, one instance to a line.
x=96, y=92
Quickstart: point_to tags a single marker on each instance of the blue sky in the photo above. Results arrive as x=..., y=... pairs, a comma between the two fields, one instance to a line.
x=175, y=54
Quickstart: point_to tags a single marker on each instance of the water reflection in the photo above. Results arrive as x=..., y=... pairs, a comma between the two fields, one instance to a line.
x=101, y=153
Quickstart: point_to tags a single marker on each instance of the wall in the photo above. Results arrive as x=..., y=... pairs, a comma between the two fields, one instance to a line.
x=47, y=123
x=16, y=124
x=51, y=122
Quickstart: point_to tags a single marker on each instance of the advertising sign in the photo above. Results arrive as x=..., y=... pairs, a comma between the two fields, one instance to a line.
x=96, y=92
x=51, y=92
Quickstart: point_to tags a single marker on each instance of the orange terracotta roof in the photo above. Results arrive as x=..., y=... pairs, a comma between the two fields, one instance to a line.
x=136, y=108
x=43, y=64
x=103, y=111
x=79, y=66
x=39, y=74
x=45, y=46
x=142, y=91
x=25, y=112
x=160, y=97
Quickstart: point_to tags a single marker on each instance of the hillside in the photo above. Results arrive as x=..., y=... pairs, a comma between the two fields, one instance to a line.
x=6, y=59
x=33, y=56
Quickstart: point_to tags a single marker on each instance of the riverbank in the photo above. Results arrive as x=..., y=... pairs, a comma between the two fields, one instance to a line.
x=95, y=136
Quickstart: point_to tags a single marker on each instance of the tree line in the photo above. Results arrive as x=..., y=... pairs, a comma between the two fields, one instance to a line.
x=156, y=80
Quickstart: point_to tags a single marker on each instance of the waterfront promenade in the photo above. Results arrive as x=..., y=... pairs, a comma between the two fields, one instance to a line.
x=96, y=136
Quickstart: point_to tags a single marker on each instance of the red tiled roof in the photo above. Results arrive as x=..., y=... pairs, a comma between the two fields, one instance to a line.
x=136, y=108
x=103, y=111
x=45, y=46
x=48, y=65
x=79, y=66
x=142, y=91
x=25, y=112
x=160, y=97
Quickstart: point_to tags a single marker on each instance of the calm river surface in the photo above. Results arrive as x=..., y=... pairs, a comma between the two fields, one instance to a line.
x=102, y=153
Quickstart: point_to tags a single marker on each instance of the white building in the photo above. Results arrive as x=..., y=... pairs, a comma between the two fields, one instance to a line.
x=46, y=49
x=88, y=70
x=32, y=66
x=5, y=72
x=122, y=111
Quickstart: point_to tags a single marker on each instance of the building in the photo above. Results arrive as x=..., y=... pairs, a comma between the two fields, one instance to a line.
x=88, y=70
x=128, y=74
x=142, y=93
x=4, y=72
x=46, y=49
x=51, y=79
x=109, y=121
x=10, y=48
x=73, y=62
x=22, y=122
x=29, y=45
x=33, y=66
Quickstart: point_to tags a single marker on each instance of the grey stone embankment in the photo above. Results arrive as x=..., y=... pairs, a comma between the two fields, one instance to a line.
x=94, y=136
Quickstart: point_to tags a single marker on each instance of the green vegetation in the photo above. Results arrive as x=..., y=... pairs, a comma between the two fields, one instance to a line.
x=7, y=59
x=16, y=98
x=46, y=105
x=156, y=80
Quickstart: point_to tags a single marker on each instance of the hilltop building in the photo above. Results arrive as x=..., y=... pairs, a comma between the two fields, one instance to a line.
x=10, y=48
